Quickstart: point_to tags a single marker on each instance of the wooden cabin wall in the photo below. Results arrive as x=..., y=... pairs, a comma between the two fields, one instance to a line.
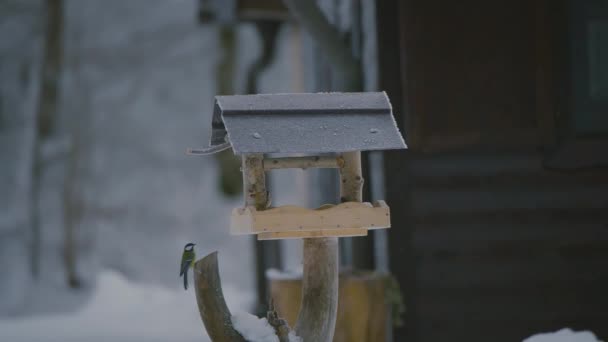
x=501, y=248
x=487, y=243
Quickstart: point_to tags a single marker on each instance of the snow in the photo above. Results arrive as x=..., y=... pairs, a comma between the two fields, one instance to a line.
x=294, y=338
x=252, y=328
x=119, y=311
x=255, y=329
x=274, y=274
x=564, y=335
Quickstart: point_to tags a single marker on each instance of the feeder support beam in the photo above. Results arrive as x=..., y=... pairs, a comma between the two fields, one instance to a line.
x=351, y=178
x=326, y=162
x=254, y=181
x=317, y=318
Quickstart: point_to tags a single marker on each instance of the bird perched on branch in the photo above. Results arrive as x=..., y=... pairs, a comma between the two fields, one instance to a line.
x=188, y=257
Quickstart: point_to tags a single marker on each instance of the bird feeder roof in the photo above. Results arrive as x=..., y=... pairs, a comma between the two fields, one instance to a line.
x=305, y=123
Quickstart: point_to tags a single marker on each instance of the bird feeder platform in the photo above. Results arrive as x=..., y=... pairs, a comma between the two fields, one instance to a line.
x=285, y=222
x=322, y=130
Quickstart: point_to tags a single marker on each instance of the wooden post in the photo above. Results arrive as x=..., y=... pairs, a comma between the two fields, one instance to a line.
x=351, y=179
x=256, y=195
x=317, y=317
x=254, y=181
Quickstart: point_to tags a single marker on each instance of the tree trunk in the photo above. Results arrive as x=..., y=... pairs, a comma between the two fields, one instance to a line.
x=72, y=213
x=45, y=117
x=317, y=317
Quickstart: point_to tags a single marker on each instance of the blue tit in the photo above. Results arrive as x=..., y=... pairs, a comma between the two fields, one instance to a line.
x=188, y=257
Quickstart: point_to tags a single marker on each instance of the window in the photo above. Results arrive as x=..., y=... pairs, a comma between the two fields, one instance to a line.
x=589, y=48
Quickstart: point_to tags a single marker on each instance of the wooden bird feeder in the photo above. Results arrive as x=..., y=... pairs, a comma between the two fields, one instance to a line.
x=330, y=129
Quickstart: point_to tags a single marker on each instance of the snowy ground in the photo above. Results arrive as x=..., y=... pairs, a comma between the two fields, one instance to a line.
x=564, y=335
x=122, y=311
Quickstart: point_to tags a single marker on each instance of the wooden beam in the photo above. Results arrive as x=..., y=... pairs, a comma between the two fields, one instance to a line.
x=303, y=162
x=254, y=181
x=267, y=253
x=328, y=217
x=339, y=232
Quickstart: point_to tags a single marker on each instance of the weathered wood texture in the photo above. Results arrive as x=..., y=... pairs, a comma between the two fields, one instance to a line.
x=211, y=304
x=487, y=242
x=472, y=73
x=362, y=309
x=254, y=181
x=351, y=178
x=485, y=250
x=317, y=318
x=267, y=253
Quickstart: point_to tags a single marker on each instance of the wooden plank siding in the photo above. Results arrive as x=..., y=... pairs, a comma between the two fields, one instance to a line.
x=487, y=241
x=470, y=73
x=500, y=259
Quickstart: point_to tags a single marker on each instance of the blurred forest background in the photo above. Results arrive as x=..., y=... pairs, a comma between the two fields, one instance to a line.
x=98, y=102
x=499, y=206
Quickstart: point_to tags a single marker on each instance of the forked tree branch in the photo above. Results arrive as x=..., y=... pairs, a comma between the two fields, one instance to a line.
x=211, y=304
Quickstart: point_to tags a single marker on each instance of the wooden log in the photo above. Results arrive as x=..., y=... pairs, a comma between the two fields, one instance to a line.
x=211, y=304
x=362, y=310
x=317, y=318
x=346, y=215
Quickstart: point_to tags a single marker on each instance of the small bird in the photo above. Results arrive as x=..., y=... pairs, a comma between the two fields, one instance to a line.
x=188, y=257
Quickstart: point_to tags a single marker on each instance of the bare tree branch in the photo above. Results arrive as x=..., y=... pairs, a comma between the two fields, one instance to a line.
x=211, y=304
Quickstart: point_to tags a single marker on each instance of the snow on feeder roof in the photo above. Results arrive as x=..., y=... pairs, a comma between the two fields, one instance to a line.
x=342, y=124
x=304, y=123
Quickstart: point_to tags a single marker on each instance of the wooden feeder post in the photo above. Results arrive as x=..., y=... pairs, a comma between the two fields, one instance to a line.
x=339, y=123
x=317, y=318
x=254, y=181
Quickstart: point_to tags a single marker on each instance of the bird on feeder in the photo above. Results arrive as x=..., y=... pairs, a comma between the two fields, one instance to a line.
x=188, y=257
